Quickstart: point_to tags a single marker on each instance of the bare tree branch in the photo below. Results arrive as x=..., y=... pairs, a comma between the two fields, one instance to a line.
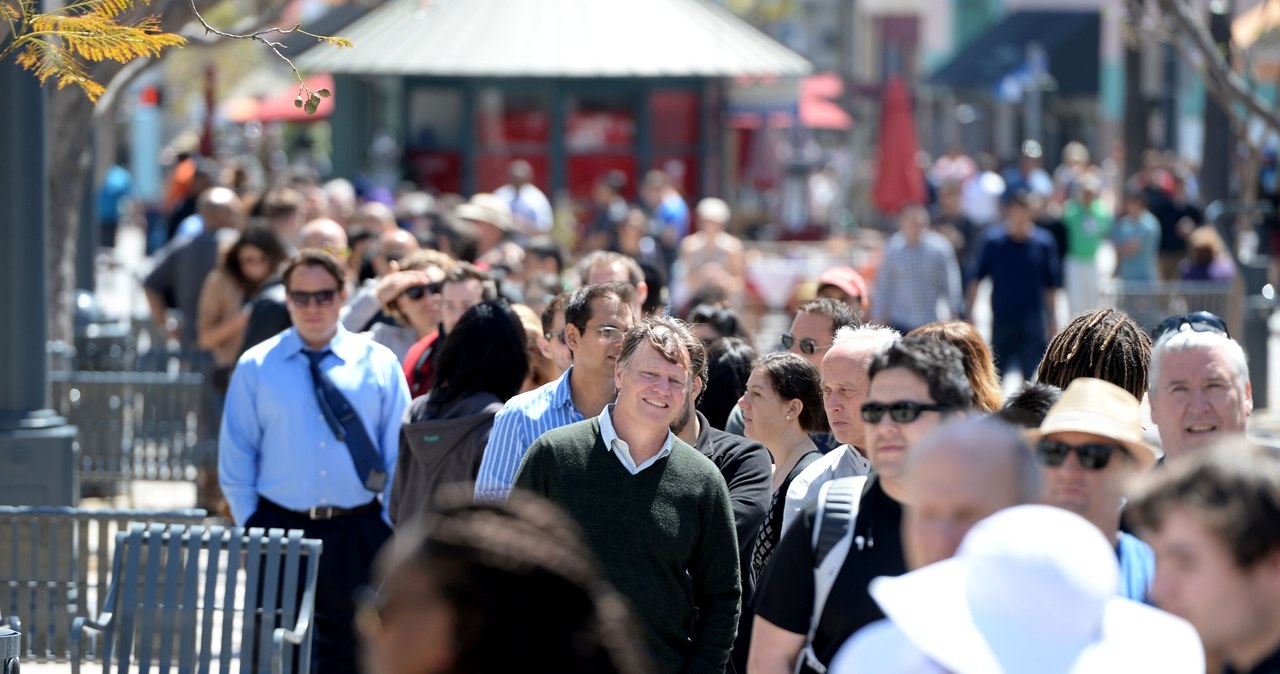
x=1201, y=53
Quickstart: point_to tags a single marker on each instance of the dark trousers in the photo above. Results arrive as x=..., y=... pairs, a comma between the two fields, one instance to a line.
x=1019, y=341
x=349, y=546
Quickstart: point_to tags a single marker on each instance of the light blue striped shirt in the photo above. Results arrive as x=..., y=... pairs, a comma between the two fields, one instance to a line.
x=274, y=440
x=521, y=421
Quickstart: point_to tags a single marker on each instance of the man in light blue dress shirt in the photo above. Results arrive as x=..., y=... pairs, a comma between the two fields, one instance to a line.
x=280, y=462
x=596, y=318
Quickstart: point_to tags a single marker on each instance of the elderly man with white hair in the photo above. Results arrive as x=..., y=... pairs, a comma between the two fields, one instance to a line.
x=844, y=389
x=1199, y=383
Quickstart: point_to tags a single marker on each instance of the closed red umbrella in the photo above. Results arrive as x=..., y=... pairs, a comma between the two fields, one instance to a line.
x=899, y=180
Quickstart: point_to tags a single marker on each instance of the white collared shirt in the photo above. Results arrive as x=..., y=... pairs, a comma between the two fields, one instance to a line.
x=620, y=449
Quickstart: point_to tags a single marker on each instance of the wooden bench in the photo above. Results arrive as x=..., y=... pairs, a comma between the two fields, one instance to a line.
x=190, y=597
x=54, y=565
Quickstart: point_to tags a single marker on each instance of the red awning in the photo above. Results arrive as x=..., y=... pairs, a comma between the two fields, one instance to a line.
x=280, y=107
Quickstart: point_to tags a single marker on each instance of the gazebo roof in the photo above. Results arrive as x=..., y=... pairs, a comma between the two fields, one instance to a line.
x=555, y=38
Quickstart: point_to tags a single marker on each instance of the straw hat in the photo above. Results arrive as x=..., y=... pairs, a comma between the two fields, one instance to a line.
x=485, y=207
x=1101, y=408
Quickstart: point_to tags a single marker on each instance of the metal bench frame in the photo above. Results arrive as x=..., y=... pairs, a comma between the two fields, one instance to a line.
x=189, y=588
x=54, y=558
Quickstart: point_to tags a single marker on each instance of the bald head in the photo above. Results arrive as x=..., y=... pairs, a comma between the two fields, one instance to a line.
x=220, y=208
x=393, y=245
x=957, y=475
x=324, y=234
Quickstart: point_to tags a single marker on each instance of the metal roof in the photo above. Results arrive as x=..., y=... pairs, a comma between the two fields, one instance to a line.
x=555, y=38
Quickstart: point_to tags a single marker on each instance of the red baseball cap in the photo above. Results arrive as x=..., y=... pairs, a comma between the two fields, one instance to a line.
x=848, y=281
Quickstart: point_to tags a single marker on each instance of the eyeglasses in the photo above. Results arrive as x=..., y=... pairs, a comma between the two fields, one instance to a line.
x=902, y=411
x=1092, y=455
x=610, y=333
x=807, y=345
x=416, y=292
x=1200, y=321
x=553, y=336
x=302, y=298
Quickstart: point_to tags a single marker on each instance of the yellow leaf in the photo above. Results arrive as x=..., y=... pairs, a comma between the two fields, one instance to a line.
x=340, y=42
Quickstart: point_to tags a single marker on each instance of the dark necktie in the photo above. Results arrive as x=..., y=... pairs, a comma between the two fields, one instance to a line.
x=346, y=425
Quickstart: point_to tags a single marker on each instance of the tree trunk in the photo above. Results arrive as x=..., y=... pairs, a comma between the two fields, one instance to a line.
x=68, y=142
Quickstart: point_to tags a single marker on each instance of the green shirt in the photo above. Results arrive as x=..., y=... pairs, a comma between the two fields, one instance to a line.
x=1087, y=227
x=664, y=537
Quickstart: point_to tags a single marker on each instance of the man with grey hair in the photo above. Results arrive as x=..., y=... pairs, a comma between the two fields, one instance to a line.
x=844, y=389
x=1199, y=384
x=960, y=473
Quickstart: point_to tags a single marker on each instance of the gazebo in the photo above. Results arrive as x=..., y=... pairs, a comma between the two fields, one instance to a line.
x=574, y=87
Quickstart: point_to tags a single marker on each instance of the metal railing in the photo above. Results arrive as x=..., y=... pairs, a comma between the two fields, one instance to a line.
x=1150, y=303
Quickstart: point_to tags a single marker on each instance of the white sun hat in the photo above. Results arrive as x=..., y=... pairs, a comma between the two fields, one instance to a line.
x=1032, y=590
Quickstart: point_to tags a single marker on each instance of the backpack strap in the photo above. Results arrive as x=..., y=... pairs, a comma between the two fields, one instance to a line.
x=838, y=502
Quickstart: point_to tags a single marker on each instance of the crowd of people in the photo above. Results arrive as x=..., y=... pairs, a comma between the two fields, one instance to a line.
x=532, y=463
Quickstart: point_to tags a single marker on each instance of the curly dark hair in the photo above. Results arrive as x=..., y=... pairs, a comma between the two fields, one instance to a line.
x=1104, y=344
x=524, y=587
x=263, y=239
x=729, y=362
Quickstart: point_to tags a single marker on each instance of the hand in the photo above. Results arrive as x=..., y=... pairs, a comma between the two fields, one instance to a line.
x=390, y=286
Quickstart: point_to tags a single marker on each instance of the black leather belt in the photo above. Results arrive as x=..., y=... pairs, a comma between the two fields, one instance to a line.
x=326, y=512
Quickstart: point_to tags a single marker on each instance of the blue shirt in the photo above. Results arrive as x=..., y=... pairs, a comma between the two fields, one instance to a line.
x=521, y=421
x=672, y=214
x=1137, y=568
x=1141, y=266
x=275, y=441
x=1020, y=271
x=117, y=185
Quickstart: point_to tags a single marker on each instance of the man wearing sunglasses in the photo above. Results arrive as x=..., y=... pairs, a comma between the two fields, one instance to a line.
x=916, y=385
x=1090, y=448
x=1199, y=383
x=309, y=441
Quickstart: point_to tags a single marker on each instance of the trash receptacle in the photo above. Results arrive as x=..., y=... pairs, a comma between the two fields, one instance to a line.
x=10, y=643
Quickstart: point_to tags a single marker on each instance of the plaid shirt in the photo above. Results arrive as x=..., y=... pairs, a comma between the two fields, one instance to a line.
x=912, y=279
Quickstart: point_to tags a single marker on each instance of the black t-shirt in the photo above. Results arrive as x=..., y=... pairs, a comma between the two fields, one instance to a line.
x=1170, y=214
x=785, y=594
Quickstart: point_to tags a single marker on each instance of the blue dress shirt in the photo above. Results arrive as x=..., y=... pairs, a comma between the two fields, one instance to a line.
x=275, y=442
x=521, y=421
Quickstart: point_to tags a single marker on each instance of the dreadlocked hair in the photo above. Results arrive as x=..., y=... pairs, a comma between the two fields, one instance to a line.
x=1104, y=344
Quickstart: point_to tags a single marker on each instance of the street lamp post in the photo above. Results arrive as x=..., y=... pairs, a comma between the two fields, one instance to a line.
x=37, y=447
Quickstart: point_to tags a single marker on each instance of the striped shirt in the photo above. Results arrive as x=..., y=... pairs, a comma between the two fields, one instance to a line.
x=912, y=279
x=521, y=421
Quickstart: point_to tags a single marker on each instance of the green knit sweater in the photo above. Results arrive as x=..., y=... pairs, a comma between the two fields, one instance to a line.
x=665, y=538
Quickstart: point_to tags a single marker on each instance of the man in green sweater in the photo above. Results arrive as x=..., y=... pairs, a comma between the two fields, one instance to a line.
x=655, y=510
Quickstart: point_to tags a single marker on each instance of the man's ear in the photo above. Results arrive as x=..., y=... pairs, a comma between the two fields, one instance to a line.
x=642, y=294
x=696, y=391
x=544, y=347
x=571, y=336
x=1248, y=398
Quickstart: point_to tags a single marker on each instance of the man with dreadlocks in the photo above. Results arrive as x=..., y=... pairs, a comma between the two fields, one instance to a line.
x=1104, y=344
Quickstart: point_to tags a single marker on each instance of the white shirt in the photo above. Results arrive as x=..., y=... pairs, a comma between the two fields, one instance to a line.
x=845, y=461
x=529, y=208
x=620, y=449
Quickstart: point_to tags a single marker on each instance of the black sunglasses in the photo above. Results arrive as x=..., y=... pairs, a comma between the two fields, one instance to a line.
x=302, y=298
x=1092, y=455
x=416, y=292
x=551, y=336
x=1200, y=321
x=807, y=345
x=902, y=411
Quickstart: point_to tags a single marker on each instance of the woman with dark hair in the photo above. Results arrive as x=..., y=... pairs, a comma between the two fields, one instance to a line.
x=222, y=314
x=780, y=408
x=481, y=364
x=979, y=367
x=492, y=588
x=729, y=361
x=710, y=322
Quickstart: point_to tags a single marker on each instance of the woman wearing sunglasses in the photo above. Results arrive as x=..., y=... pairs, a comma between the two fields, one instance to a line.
x=492, y=588
x=1090, y=448
x=416, y=308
